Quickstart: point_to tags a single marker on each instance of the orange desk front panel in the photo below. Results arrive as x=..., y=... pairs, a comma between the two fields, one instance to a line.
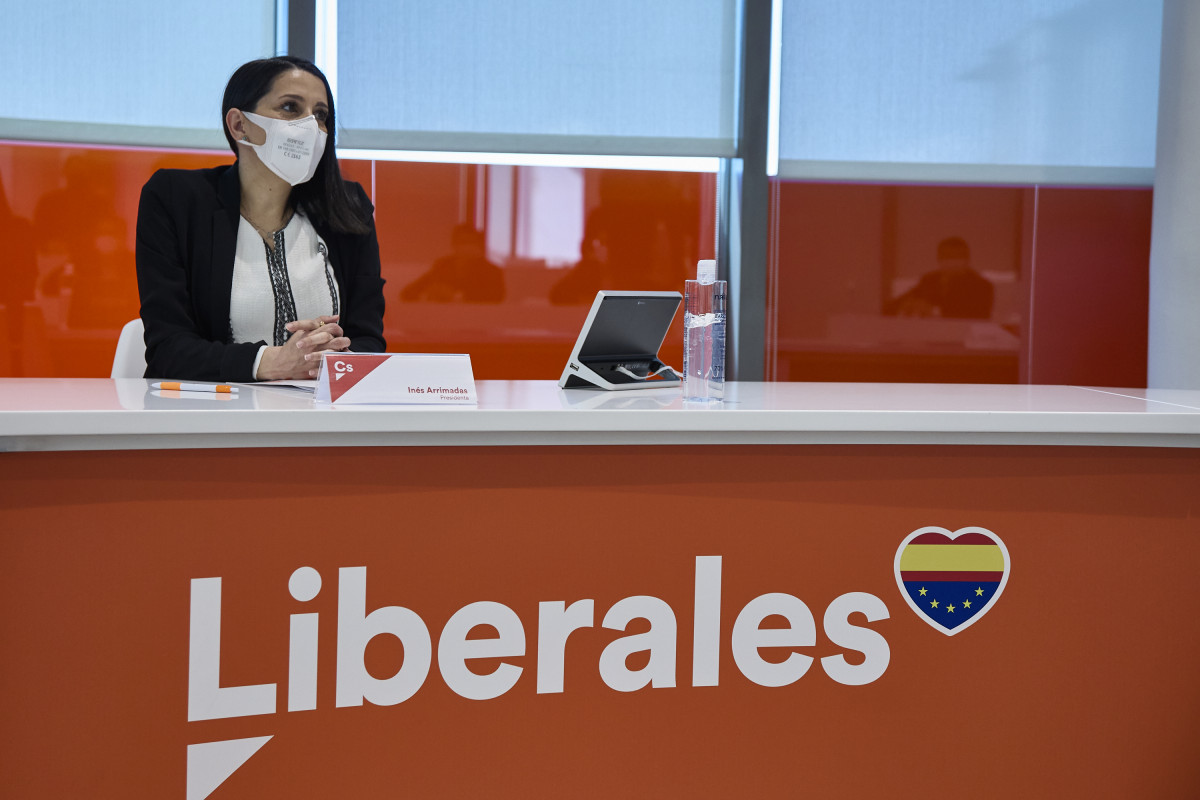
x=590, y=621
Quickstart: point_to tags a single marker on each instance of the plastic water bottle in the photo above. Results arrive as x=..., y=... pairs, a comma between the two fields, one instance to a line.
x=704, y=336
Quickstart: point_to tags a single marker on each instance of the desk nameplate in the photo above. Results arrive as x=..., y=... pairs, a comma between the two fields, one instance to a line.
x=396, y=378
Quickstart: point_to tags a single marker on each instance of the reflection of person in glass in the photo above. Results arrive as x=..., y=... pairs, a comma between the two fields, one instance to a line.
x=63, y=216
x=20, y=274
x=250, y=270
x=464, y=276
x=100, y=296
x=82, y=240
x=592, y=273
x=639, y=236
x=953, y=290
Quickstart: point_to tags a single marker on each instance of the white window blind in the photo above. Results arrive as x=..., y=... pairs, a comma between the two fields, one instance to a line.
x=991, y=90
x=139, y=72
x=621, y=77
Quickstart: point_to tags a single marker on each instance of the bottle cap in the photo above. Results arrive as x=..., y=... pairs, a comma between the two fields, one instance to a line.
x=706, y=271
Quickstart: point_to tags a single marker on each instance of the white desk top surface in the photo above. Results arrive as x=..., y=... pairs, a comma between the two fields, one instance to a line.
x=102, y=414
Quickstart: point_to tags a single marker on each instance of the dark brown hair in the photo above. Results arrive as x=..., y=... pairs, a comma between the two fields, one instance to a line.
x=325, y=197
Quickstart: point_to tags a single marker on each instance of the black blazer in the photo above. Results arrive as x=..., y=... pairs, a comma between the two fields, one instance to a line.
x=186, y=237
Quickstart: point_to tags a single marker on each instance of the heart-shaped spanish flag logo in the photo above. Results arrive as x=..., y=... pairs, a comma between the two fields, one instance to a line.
x=952, y=579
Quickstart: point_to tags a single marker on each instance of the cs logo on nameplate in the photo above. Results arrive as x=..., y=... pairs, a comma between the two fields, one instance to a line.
x=396, y=378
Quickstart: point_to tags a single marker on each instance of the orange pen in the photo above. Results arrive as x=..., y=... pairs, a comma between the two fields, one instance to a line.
x=195, y=387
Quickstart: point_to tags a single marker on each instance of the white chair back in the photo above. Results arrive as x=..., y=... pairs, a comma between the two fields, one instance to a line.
x=130, y=360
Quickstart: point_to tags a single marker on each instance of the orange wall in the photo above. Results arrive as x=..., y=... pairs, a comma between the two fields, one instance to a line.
x=1069, y=266
x=72, y=213
x=1091, y=298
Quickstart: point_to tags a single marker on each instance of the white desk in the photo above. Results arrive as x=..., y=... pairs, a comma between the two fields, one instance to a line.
x=96, y=414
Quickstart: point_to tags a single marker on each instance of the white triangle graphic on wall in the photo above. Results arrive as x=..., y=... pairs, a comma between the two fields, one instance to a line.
x=210, y=763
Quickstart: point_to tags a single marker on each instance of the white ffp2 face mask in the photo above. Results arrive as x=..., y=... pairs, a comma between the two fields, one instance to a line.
x=293, y=148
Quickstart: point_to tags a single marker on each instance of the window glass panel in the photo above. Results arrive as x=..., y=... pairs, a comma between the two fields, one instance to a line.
x=591, y=76
x=899, y=283
x=500, y=262
x=139, y=72
x=1015, y=91
x=958, y=284
x=503, y=262
x=68, y=217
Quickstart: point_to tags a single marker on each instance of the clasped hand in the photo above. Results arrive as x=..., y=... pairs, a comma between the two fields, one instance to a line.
x=299, y=359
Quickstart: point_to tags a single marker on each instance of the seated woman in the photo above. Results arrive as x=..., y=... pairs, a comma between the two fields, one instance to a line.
x=249, y=271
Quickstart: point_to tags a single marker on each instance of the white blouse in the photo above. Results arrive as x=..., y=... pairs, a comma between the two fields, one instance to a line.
x=272, y=287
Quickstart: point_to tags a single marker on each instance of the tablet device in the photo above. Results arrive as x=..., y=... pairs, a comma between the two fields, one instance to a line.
x=618, y=345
